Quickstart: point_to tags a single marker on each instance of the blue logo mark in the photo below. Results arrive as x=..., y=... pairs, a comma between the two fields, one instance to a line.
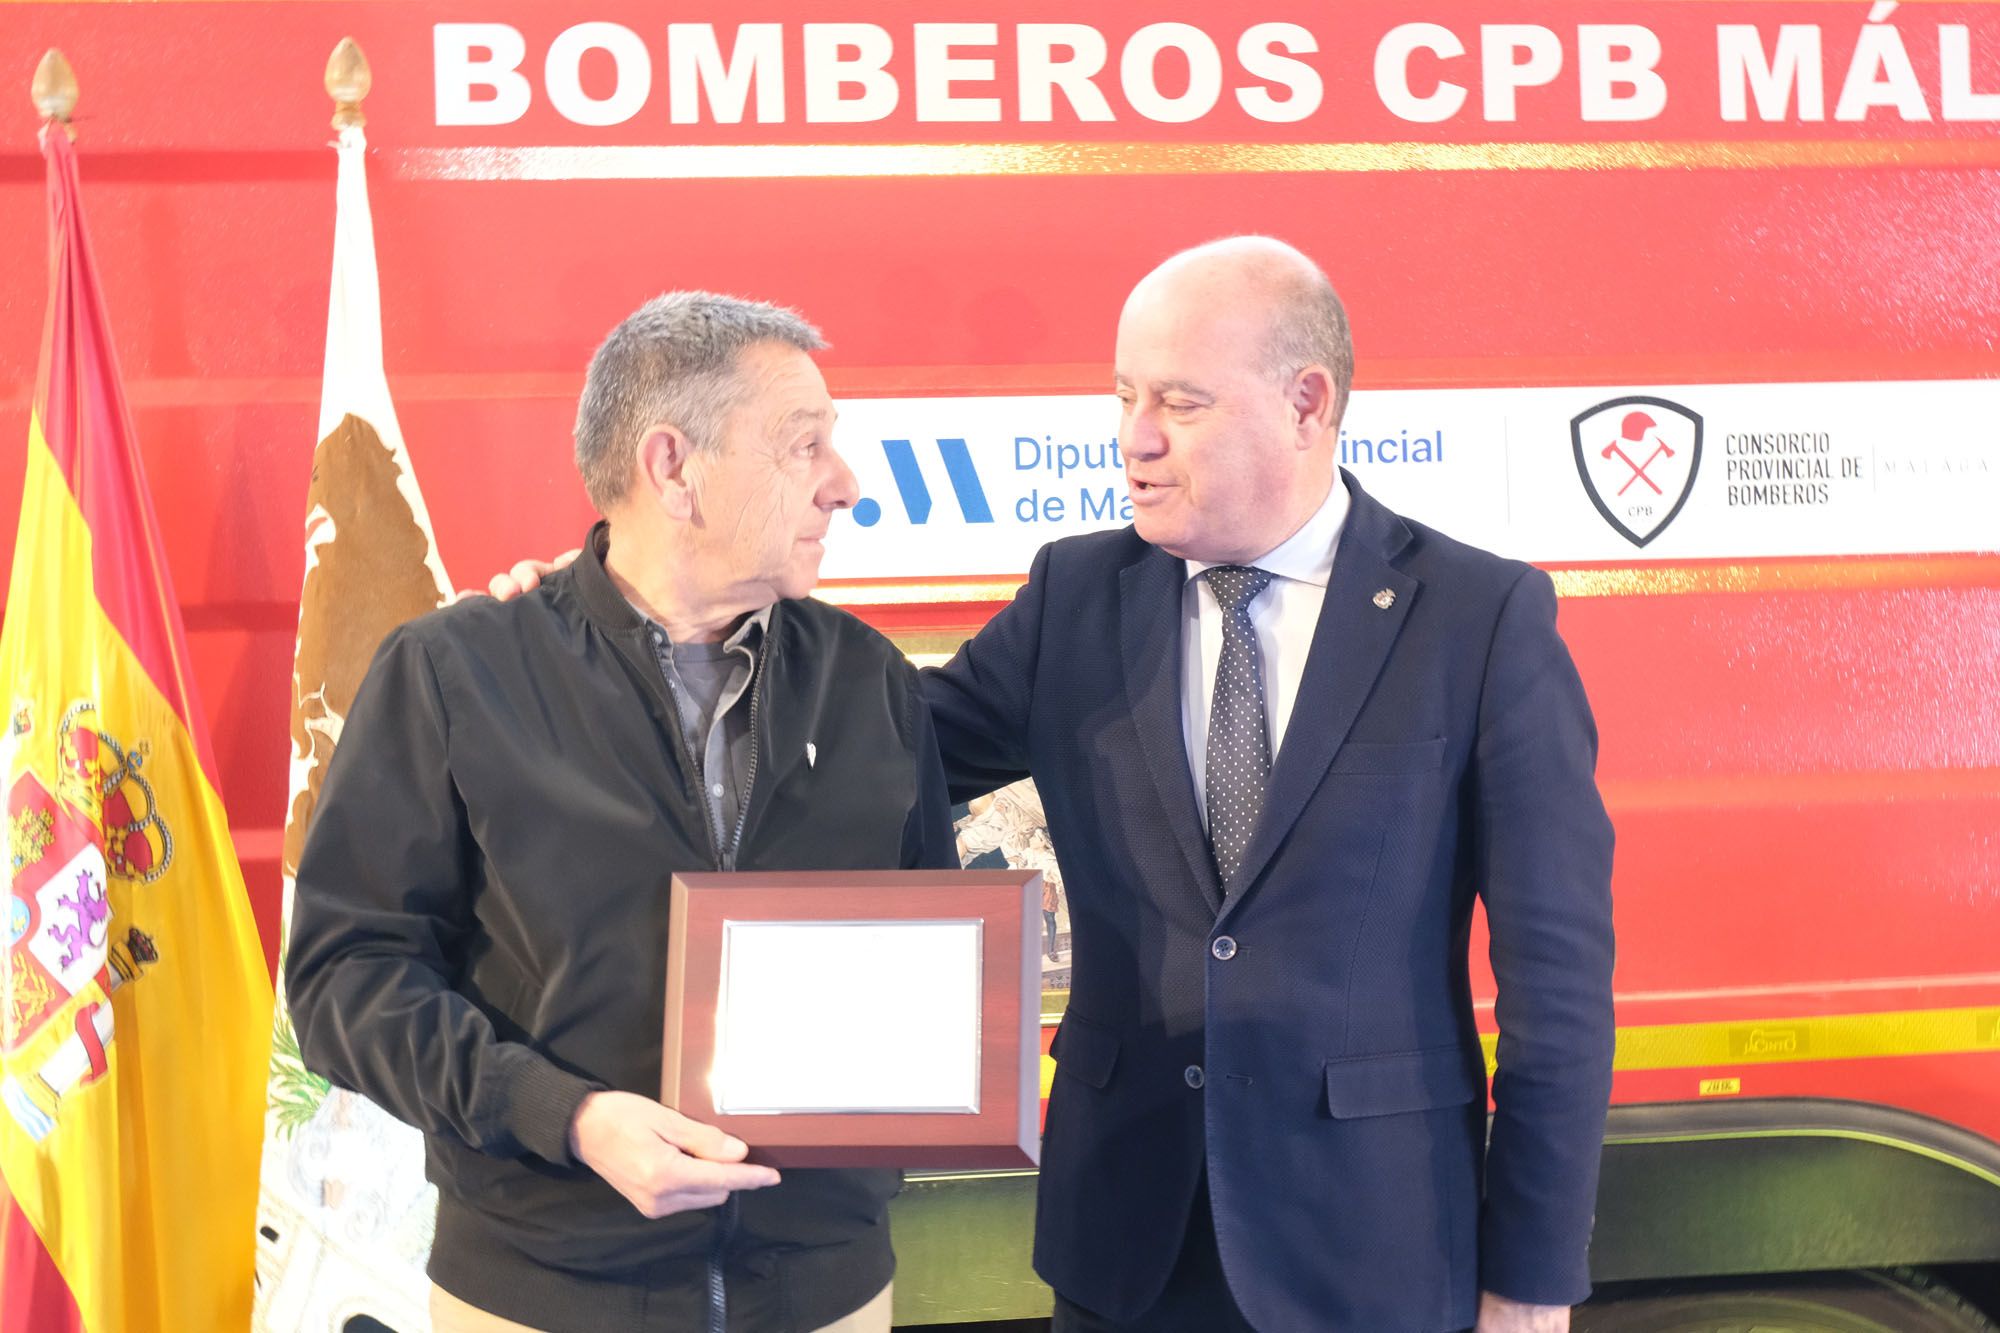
x=916, y=495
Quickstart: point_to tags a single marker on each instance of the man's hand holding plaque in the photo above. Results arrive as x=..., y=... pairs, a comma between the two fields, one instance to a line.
x=660, y=1160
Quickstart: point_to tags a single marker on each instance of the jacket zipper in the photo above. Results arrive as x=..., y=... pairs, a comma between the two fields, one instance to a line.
x=718, y=1295
x=750, y=773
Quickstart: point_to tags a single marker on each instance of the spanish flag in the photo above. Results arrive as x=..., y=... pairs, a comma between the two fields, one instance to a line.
x=137, y=1008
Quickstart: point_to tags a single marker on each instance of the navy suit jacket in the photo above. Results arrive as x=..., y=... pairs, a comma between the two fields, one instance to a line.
x=1311, y=1039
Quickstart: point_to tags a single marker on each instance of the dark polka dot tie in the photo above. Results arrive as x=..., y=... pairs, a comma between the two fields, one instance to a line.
x=1239, y=736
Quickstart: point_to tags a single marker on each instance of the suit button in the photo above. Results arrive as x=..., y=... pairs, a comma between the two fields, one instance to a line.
x=1194, y=1076
x=1224, y=948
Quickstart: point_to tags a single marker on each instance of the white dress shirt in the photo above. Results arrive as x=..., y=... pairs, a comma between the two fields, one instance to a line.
x=1284, y=614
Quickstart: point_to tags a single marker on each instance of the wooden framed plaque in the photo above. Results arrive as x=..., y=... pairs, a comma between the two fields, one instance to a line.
x=859, y=1018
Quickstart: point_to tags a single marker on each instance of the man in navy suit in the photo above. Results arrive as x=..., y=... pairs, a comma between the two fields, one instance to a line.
x=1284, y=739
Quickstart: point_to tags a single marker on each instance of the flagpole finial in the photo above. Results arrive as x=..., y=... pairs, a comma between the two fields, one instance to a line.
x=347, y=81
x=54, y=88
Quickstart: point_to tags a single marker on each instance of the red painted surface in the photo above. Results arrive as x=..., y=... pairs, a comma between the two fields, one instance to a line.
x=1806, y=782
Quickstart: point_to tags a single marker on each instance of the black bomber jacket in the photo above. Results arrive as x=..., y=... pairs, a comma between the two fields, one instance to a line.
x=479, y=929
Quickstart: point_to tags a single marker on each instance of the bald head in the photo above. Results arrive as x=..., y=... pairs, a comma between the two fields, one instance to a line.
x=1298, y=316
x=1232, y=369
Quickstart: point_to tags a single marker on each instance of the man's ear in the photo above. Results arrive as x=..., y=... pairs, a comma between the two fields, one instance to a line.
x=663, y=458
x=1314, y=400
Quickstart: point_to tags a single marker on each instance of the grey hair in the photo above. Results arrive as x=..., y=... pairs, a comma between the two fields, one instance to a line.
x=673, y=360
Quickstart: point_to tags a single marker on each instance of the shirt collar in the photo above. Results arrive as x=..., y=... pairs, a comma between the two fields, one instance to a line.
x=1307, y=555
x=743, y=636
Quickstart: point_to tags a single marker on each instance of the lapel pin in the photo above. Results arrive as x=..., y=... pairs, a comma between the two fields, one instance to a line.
x=1385, y=599
x=812, y=754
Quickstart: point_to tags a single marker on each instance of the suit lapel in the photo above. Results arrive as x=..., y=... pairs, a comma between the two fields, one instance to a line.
x=1149, y=617
x=1350, y=646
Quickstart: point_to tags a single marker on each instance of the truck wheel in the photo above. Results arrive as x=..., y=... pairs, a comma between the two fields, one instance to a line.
x=1898, y=1301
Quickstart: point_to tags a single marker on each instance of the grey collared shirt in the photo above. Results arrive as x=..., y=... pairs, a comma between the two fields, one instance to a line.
x=710, y=683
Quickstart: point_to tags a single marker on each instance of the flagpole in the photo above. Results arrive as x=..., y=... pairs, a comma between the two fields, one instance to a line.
x=348, y=79
x=54, y=89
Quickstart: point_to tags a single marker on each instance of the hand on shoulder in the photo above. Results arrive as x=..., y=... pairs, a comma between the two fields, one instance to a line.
x=524, y=577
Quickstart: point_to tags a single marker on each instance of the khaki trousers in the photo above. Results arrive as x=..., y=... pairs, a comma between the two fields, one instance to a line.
x=449, y=1314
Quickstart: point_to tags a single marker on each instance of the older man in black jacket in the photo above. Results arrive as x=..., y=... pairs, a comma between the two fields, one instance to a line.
x=479, y=933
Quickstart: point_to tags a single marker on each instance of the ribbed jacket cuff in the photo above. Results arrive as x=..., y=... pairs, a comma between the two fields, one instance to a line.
x=541, y=1102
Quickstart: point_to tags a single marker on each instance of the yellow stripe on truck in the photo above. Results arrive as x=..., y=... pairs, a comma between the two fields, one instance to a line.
x=1775, y=1040
x=1788, y=1040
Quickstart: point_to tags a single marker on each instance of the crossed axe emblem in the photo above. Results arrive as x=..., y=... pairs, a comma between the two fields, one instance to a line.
x=1634, y=429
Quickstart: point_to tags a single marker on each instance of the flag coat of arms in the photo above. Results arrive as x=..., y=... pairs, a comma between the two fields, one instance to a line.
x=134, y=1002
x=345, y=1216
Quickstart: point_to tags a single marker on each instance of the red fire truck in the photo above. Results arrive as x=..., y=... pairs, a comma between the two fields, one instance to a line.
x=1768, y=229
